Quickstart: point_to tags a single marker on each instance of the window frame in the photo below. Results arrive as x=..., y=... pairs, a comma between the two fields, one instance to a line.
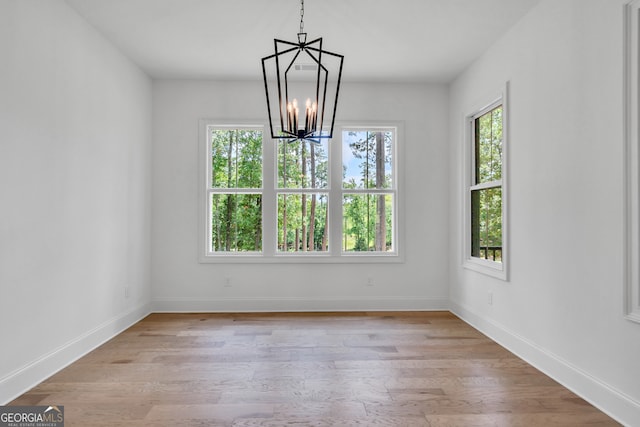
x=270, y=191
x=394, y=190
x=205, y=189
x=631, y=86
x=488, y=267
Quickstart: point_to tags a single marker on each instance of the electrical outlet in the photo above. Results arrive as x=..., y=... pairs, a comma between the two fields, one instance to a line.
x=227, y=282
x=490, y=298
x=370, y=281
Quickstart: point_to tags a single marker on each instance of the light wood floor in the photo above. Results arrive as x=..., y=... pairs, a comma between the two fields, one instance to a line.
x=330, y=369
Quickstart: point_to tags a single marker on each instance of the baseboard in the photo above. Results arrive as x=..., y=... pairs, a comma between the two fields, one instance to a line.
x=614, y=403
x=33, y=373
x=238, y=305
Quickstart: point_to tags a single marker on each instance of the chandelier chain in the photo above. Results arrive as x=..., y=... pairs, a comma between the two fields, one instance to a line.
x=301, y=16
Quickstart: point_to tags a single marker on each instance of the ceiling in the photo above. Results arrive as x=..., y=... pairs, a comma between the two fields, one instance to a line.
x=382, y=40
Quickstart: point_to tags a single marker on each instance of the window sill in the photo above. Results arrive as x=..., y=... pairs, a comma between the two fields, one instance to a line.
x=486, y=267
x=633, y=316
x=308, y=258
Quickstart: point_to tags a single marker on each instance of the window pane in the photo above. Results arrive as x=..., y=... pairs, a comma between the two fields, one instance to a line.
x=236, y=222
x=367, y=222
x=488, y=146
x=486, y=224
x=302, y=222
x=303, y=164
x=367, y=159
x=236, y=158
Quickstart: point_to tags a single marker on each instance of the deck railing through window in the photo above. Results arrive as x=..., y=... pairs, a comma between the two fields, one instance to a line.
x=493, y=253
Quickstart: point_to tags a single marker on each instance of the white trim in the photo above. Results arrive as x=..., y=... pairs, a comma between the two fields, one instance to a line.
x=494, y=269
x=303, y=258
x=397, y=127
x=486, y=185
x=631, y=90
x=269, y=254
x=603, y=396
x=201, y=227
x=205, y=191
x=34, y=372
x=298, y=304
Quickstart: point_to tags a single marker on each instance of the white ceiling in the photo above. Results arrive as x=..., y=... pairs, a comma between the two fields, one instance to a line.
x=382, y=40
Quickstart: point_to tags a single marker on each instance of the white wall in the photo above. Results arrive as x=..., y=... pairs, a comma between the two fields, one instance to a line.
x=77, y=209
x=562, y=308
x=180, y=283
x=75, y=137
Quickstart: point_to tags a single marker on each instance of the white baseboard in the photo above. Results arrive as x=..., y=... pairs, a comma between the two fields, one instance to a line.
x=237, y=305
x=614, y=403
x=25, y=378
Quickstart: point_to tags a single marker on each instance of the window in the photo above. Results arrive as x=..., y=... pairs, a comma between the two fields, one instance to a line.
x=266, y=200
x=632, y=166
x=303, y=198
x=485, y=147
x=368, y=190
x=234, y=190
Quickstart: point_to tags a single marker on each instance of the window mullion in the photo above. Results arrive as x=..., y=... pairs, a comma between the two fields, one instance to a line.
x=335, y=195
x=269, y=196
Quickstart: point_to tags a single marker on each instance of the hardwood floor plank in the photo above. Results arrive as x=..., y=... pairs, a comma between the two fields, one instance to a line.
x=335, y=422
x=349, y=410
x=215, y=413
x=307, y=369
x=588, y=419
x=476, y=420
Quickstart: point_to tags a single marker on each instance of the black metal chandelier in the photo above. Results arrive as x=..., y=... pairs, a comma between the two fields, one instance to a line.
x=300, y=73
